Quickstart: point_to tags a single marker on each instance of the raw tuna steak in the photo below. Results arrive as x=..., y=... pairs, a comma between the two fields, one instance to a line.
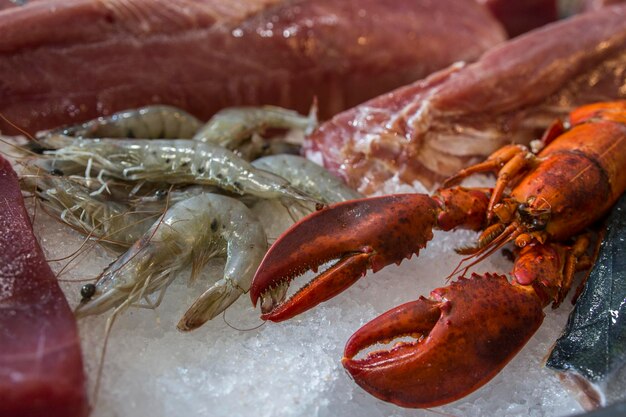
x=68, y=61
x=41, y=368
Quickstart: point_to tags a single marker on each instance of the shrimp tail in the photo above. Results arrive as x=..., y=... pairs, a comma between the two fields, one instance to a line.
x=313, y=121
x=211, y=303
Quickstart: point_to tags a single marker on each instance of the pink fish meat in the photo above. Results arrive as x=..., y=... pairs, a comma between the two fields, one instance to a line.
x=68, y=61
x=41, y=367
x=429, y=129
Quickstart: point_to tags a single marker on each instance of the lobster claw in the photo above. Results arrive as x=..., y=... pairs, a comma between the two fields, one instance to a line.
x=362, y=234
x=466, y=333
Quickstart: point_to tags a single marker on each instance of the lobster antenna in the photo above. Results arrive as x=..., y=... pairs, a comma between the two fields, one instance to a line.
x=510, y=233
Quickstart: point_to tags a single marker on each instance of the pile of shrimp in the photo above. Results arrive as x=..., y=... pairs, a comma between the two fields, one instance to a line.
x=168, y=193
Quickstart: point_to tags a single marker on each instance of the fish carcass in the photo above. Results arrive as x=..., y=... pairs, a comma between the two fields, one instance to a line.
x=428, y=130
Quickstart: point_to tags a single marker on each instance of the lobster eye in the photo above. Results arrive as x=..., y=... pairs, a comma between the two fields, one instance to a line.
x=524, y=213
x=538, y=223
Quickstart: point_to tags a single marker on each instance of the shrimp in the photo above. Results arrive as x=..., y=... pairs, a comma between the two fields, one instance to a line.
x=173, y=162
x=188, y=234
x=162, y=195
x=115, y=223
x=258, y=147
x=308, y=177
x=234, y=125
x=150, y=122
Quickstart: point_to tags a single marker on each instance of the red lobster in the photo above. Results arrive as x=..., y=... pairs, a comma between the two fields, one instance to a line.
x=468, y=331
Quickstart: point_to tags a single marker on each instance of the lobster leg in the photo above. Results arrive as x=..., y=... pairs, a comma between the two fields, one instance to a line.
x=362, y=234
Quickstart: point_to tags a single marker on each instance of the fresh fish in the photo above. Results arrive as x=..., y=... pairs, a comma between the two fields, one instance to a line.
x=428, y=130
x=63, y=62
x=41, y=368
x=590, y=356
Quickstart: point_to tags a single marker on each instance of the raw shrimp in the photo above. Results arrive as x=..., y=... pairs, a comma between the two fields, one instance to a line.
x=258, y=147
x=111, y=222
x=150, y=122
x=309, y=177
x=188, y=234
x=162, y=195
x=173, y=162
x=232, y=126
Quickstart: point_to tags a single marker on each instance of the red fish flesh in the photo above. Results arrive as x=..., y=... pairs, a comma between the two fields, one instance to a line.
x=41, y=368
x=428, y=130
x=63, y=62
x=521, y=16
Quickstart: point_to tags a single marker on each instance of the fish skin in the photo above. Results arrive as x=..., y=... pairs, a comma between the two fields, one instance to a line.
x=64, y=62
x=591, y=352
x=428, y=130
x=41, y=367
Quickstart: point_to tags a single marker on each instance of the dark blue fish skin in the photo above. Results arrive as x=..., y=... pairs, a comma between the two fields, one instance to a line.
x=593, y=344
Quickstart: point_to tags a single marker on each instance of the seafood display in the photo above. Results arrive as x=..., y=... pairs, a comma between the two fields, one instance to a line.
x=465, y=333
x=205, y=55
x=41, y=367
x=428, y=130
x=157, y=194
x=590, y=356
x=173, y=205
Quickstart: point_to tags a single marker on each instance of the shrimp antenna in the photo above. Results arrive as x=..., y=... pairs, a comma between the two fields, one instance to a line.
x=16, y=127
x=439, y=413
x=236, y=328
x=35, y=199
x=107, y=333
x=23, y=132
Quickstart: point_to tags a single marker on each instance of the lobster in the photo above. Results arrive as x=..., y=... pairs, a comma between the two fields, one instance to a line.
x=546, y=202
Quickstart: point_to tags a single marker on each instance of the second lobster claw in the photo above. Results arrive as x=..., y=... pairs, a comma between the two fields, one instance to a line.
x=464, y=335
